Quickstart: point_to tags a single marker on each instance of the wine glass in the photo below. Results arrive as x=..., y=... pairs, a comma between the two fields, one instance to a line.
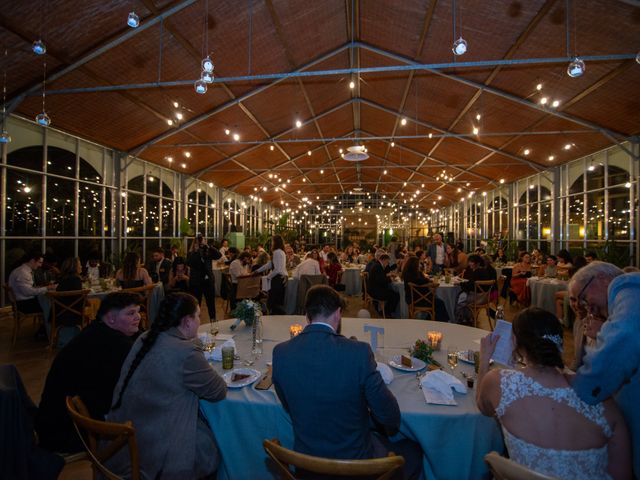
x=452, y=356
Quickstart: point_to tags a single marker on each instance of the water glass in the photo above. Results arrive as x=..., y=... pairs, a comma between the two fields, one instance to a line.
x=227, y=357
x=452, y=356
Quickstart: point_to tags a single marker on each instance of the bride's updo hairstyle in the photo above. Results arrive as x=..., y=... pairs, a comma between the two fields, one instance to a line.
x=538, y=334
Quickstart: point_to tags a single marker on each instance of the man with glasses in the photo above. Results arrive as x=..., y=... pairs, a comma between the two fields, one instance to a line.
x=612, y=368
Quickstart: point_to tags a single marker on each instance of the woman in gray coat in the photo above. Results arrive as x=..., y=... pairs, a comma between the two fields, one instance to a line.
x=161, y=382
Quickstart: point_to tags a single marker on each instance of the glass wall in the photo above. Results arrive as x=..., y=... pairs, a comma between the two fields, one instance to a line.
x=69, y=197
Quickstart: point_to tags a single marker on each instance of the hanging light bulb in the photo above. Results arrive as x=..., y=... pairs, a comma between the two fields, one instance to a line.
x=39, y=48
x=576, y=68
x=207, y=64
x=459, y=46
x=43, y=119
x=207, y=77
x=133, y=20
x=200, y=87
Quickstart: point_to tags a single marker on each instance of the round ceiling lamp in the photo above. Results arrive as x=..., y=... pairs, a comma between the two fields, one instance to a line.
x=356, y=153
x=576, y=68
x=133, y=20
x=459, y=46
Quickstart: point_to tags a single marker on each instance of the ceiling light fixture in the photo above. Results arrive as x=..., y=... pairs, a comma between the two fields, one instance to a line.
x=460, y=45
x=38, y=47
x=555, y=103
x=403, y=122
x=236, y=137
x=298, y=124
x=576, y=67
x=4, y=136
x=352, y=84
x=42, y=118
x=133, y=20
x=356, y=153
x=527, y=151
x=539, y=87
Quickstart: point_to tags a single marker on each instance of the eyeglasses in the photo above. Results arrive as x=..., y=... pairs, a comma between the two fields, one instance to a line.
x=581, y=301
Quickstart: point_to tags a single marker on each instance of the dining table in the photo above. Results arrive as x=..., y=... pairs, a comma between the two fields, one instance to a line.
x=543, y=291
x=351, y=279
x=454, y=438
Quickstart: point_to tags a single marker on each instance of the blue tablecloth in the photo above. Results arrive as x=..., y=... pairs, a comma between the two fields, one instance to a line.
x=454, y=438
x=543, y=292
x=352, y=281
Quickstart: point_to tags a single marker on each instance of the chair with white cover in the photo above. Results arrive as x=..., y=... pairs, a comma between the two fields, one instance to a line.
x=505, y=469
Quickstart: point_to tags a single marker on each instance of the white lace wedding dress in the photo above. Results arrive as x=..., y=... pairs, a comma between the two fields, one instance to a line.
x=562, y=464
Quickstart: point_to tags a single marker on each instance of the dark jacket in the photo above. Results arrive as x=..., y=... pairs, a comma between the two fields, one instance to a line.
x=88, y=366
x=331, y=389
x=378, y=281
x=165, y=268
x=200, y=266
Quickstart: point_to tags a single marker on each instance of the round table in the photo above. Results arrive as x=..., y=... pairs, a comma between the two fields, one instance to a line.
x=448, y=293
x=543, y=292
x=352, y=281
x=454, y=439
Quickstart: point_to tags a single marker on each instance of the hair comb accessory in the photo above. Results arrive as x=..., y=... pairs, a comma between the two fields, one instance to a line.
x=557, y=339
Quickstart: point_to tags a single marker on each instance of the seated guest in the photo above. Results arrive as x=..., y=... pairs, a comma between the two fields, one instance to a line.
x=474, y=272
x=261, y=260
x=551, y=269
x=379, y=286
x=590, y=256
x=500, y=257
x=95, y=269
x=239, y=267
x=521, y=271
x=69, y=280
x=374, y=260
x=331, y=268
x=546, y=426
x=88, y=366
x=564, y=263
x=132, y=275
x=337, y=423
x=309, y=266
x=179, y=275
x=293, y=260
x=411, y=274
x=160, y=384
x=424, y=261
x=159, y=267
x=455, y=259
x=21, y=282
x=537, y=258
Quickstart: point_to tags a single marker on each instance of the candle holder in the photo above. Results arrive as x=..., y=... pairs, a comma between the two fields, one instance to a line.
x=295, y=329
x=434, y=340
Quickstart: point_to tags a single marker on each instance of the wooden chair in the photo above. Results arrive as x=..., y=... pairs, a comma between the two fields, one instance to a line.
x=383, y=467
x=145, y=302
x=425, y=295
x=18, y=316
x=504, y=469
x=364, y=280
x=92, y=432
x=482, y=293
x=72, y=303
x=248, y=287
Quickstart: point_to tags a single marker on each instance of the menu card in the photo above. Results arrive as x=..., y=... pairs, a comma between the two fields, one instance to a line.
x=504, y=348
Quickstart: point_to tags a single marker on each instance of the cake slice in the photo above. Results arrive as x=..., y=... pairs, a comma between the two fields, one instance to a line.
x=406, y=361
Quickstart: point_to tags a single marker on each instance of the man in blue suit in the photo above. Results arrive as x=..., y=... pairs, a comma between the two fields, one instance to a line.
x=334, y=394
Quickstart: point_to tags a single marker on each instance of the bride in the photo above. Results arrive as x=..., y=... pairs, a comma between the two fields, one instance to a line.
x=546, y=426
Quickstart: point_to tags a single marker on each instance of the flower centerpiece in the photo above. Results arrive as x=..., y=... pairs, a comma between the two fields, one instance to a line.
x=246, y=311
x=423, y=351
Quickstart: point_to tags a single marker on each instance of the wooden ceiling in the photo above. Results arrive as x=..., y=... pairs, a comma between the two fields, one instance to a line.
x=116, y=85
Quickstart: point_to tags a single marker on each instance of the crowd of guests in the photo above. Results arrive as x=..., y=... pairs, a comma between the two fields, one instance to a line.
x=566, y=425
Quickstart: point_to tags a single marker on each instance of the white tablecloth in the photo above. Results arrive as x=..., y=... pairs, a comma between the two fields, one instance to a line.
x=543, y=292
x=352, y=281
x=454, y=438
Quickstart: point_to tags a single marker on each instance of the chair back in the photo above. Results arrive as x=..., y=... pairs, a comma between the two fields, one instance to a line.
x=248, y=287
x=145, y=301
x=482, y=290
x=15, y=313
x=423, y=299
x=305, y=283
x=92, y=432
x=70, y=303
x=383, y=467
x=364, y=280
x=505, y=469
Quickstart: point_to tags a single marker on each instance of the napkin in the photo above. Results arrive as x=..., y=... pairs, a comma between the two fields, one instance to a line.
x=437, y=387
x=216, y=354
x=385, y=372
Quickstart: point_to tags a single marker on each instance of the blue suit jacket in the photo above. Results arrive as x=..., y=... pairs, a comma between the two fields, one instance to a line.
x=330, y=387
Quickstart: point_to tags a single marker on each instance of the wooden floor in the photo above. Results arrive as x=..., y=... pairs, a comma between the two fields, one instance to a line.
x=33, y=359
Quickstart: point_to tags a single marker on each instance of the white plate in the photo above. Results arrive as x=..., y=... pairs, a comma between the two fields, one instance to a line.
x=416, y=364
x=253, y=376
x=464, y=356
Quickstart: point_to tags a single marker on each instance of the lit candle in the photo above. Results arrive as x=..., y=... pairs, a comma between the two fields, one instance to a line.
x=434, y=339
x=295, y=329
